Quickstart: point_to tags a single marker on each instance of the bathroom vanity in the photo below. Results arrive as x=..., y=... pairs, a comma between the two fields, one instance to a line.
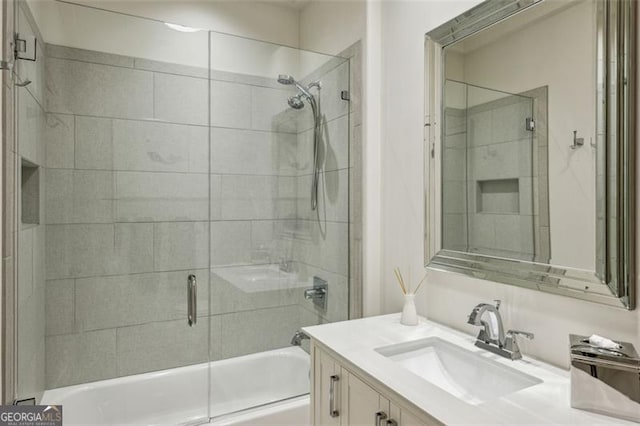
x=376, y=371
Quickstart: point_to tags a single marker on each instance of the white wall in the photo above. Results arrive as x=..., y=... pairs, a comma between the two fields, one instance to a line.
x=449, y=297
x=331, y=26
x=254, y=19
x=372, y=173
x=404, y=24
x=89, y=28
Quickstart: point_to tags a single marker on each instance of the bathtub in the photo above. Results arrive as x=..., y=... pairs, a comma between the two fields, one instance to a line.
x=266, y=388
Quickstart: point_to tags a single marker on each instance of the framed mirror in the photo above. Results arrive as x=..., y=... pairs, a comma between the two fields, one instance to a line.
x=529, y=126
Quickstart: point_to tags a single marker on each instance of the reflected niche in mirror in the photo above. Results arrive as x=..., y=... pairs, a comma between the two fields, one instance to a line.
x=530, y=145
x=494, y=183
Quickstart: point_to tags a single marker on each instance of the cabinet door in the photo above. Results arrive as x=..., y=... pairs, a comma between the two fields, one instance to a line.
x=363, y=405
x=326, y=389
x=403, y=417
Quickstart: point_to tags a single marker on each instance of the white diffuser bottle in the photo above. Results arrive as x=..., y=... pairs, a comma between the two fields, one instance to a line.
x=409, y=314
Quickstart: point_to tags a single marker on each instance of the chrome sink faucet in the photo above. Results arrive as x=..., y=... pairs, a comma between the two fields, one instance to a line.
x=492, y=336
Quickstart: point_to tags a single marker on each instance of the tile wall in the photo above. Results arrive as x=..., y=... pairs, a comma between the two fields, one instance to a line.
x=126, y=213
x=135, y=201
x=322, y=248
x=495, y=190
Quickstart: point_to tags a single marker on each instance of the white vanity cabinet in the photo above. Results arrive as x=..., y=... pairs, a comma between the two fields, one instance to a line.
x=348, y=362
x=340, y=397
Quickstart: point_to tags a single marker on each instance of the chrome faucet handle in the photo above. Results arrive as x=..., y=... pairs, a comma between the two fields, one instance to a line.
x=525, y=334
x=498, y=302
x=315, y=293
x=511, y=344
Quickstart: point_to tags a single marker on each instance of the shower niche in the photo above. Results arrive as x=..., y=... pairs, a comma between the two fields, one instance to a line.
x=498, y=196
x=29, y=194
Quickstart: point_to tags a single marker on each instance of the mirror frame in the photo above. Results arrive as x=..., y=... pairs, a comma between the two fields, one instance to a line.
x=613, y=282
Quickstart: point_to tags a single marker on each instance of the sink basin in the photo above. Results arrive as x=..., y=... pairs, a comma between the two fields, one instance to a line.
x=462, y=373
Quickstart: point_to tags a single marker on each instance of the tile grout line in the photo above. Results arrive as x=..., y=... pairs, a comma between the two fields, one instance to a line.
x=75, y=141
x=191, y=76
x=174, y=320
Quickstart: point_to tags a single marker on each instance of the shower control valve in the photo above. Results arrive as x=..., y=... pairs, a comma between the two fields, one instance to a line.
x=318, y=293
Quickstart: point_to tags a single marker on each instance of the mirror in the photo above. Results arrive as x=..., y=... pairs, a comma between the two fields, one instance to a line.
x=530, y=167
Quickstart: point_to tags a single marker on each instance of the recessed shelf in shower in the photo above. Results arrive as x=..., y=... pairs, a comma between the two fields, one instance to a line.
x=500, y=196
x=30, y=193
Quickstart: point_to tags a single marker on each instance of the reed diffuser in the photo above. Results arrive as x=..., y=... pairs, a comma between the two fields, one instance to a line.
x=409, y=314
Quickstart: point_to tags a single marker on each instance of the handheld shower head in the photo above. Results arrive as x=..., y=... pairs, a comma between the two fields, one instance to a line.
x=286, y=79
x=295, y=102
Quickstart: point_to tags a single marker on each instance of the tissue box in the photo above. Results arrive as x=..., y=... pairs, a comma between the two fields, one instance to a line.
x=605, y=381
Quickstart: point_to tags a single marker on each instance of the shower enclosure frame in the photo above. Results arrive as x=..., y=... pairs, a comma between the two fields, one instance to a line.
x=9, y=246
x=10, y=192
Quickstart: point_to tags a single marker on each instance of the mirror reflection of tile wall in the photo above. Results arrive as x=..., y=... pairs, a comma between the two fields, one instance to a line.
x=495, y=196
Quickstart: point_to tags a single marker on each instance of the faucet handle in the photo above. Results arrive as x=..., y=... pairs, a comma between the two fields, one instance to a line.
x=498, y=302
x=524, y=334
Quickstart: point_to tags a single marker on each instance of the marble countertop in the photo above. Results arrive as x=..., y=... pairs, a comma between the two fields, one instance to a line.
x=545, y=403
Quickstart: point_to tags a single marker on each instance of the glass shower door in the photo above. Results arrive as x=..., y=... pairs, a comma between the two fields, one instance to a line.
x=116, y=125
x=491, y=173
x=275, y=111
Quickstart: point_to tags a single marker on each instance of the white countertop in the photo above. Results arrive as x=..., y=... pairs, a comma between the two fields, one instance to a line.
x=545, y=403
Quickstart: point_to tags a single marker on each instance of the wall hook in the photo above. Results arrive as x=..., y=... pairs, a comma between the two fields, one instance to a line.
x=577, y=142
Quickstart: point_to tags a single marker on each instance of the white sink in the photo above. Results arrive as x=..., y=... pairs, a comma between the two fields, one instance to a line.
x=464, y=374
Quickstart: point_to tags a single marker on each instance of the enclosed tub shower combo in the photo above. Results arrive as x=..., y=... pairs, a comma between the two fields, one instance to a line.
x=183, y=205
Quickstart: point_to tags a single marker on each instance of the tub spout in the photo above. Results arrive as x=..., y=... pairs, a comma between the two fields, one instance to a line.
x=297, y=338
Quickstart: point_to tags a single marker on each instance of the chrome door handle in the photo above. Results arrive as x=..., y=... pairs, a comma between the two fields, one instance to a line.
x=332, y=396
x=380, y=416
x=192, y=300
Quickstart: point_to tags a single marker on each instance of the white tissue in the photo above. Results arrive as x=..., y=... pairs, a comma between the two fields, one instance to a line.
x=603, y=342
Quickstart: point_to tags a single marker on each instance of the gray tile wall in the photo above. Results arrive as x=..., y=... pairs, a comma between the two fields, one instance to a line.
x=129, y=213
x=261, y=176
x=126, y=213
x=253, y=211
x=140, y=191
x=495, y=190
x=323, y=237
x=500, y=151
x=454, y=180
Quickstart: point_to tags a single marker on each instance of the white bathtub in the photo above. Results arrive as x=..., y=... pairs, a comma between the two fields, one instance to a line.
x=267, y=388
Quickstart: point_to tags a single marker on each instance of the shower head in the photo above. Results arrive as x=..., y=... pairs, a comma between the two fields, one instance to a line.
x=295, y=102
x=286, y=79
